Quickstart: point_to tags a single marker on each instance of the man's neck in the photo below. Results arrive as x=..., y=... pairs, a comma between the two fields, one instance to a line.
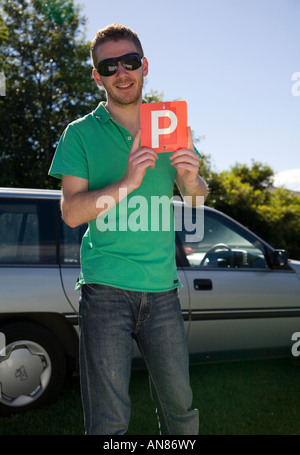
x=126, y=115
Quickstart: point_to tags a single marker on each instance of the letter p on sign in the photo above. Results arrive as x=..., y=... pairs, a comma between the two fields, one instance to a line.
x=164, y=126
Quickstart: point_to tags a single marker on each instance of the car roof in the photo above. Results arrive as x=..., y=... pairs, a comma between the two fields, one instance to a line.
x=36, y=192
x=56, y=194
x=30, y=192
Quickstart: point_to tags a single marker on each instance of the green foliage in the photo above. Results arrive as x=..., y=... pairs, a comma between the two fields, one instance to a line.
x=154, y=96
x=48, y=84
x=258, y=176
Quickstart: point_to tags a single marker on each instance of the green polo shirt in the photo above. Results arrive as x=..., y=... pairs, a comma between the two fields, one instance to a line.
x=133, y=246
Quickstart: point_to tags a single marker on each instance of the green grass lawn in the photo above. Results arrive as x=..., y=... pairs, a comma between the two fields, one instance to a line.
x=241, y=398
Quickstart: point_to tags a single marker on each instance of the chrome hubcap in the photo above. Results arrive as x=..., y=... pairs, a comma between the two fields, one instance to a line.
x=25, y=372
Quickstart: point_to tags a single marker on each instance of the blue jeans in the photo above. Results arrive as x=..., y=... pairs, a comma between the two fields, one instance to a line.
x=110, y=320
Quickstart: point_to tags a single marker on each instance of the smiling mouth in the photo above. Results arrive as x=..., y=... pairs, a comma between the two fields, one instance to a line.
x=124, y=86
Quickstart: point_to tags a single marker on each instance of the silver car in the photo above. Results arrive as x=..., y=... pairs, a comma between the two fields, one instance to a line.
x=240, y=297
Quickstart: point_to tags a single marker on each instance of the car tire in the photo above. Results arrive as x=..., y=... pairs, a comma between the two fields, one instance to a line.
x=33, y=369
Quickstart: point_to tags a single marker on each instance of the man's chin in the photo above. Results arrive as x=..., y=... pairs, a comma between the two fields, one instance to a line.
x=126, y=101
x=125, y=98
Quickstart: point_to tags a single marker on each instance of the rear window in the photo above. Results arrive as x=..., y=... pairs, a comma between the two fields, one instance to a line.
x=70, y=242
x=27, y=231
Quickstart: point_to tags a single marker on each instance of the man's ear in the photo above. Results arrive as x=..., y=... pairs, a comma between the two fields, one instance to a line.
x=97, y=78
x=145, y=66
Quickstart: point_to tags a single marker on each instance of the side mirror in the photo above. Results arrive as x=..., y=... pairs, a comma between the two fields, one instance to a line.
x=279, y=258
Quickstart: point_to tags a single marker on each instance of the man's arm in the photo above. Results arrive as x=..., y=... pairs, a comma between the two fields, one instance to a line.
x=186, y=162
x=79, y=205
x=191, y=191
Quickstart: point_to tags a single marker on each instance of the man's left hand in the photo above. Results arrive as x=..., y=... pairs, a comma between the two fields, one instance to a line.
x=186, y=162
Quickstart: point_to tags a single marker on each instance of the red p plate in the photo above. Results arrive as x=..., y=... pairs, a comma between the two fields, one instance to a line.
x=164, y=126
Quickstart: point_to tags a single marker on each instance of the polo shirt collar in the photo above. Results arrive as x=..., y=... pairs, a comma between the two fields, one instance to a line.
x=101, y=113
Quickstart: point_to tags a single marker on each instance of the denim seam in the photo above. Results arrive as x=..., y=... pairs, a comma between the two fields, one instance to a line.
x=156, y=390
x=142, y=317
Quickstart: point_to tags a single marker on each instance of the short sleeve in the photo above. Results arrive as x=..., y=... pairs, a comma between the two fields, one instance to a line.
x=70, y=156
x=197, y=151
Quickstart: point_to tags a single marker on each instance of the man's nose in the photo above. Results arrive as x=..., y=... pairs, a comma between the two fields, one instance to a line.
x=121, y=69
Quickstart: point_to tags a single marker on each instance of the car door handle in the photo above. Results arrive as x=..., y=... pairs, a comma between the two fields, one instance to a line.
x=203, y=284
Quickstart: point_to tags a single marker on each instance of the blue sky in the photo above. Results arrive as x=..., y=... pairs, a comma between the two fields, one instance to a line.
x=232, y=61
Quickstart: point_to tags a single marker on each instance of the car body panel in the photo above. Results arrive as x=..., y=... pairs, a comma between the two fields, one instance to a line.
x=35, y=289
x=244, y=290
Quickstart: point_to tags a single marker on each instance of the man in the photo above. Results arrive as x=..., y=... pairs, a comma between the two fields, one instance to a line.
x=128, y=280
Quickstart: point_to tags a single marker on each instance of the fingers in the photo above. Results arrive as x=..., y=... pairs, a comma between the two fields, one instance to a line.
x=143, y=158
x=137, y=153
x=136, y=141
x=190, y=139
x=138, y=162
x=186, y=156
x=186, y=162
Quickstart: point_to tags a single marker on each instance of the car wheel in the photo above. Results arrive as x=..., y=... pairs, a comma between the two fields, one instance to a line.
x=33, y=370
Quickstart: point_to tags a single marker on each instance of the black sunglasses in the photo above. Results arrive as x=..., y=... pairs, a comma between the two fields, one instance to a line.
x=109, y=66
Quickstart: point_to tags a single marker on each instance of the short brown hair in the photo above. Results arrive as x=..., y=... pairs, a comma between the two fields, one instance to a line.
x=114, y=32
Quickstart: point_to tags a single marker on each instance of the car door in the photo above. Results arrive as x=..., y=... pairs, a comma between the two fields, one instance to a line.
x=29, y=275
x=69, y=260
x=237, y=302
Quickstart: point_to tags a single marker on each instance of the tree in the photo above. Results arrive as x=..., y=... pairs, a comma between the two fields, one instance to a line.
x=259, y=176
x=45, y=59
x=280, y=220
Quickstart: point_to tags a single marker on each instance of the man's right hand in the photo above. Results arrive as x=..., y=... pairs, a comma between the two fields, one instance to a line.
x=138, y=162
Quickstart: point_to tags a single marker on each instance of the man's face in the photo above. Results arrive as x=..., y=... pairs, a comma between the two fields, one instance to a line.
x=124, y=87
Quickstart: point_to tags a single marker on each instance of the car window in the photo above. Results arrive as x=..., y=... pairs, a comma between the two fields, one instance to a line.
x=222, y=244
x=26, y=233
x=70, y=241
